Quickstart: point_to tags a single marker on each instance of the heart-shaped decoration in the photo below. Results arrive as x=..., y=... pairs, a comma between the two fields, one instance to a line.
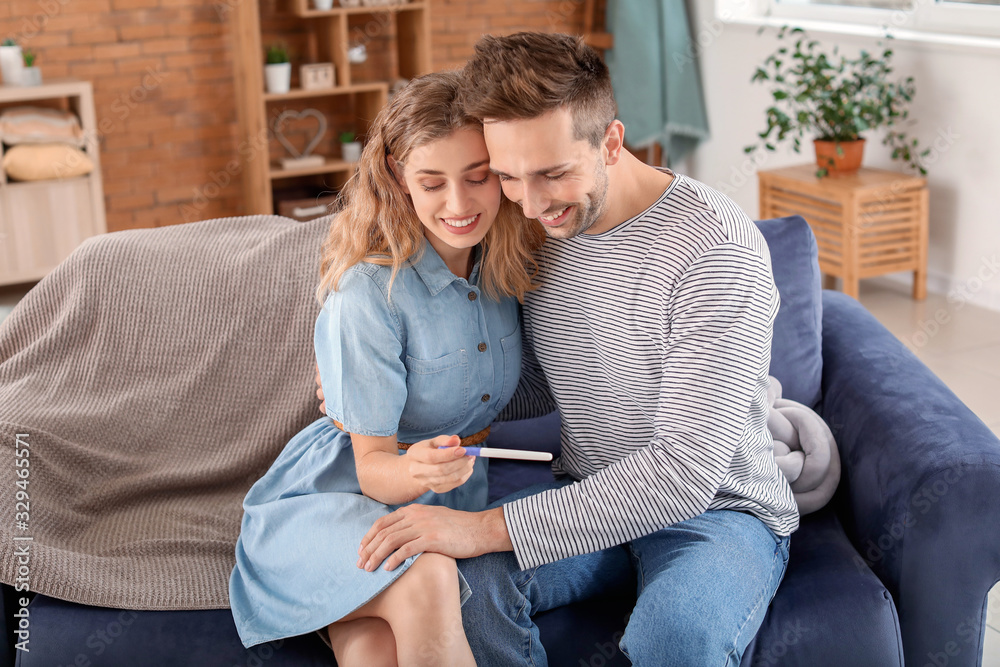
x=290, y=114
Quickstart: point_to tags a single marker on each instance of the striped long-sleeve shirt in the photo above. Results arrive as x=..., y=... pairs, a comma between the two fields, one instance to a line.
x=654, y=339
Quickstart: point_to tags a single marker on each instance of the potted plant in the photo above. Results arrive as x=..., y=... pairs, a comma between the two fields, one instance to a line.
x=278, y=70
x=11, y=62
x=835, y=99
x=30, y=75
x=350, y=147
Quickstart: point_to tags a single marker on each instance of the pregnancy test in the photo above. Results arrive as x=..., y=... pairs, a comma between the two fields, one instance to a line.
x=498, y=453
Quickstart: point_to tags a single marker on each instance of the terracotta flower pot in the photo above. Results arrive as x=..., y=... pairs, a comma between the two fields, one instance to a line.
x=828, y=158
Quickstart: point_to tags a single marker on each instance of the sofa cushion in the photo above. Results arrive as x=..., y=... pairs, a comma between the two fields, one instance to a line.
x=827, y=595
x=797, y=346
x=66, y=633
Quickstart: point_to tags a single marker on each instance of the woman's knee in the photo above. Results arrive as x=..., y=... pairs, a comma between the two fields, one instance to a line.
x=364, y=642
x=431, y=575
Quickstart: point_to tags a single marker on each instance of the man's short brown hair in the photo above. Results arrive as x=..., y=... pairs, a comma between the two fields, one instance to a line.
x=528, y=74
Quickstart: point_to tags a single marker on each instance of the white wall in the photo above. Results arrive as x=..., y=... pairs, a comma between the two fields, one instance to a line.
x=957, y=104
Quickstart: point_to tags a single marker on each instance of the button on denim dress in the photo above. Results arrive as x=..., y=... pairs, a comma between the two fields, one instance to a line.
x=435, y=356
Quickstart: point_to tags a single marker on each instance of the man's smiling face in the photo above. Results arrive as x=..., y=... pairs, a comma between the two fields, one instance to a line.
x=555, y=177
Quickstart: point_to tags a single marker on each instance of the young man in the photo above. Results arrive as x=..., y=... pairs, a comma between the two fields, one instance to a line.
x=651, y=333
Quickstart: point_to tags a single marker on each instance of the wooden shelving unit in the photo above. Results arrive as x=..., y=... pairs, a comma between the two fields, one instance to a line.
x=328, y=37
x=42, y=222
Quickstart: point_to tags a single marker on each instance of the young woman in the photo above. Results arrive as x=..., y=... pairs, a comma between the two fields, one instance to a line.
x=417, y=342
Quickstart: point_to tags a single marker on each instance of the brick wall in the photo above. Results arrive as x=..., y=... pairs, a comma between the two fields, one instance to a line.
x=162, y=76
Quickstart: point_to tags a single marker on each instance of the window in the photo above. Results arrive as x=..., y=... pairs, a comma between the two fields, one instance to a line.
x=964, y=22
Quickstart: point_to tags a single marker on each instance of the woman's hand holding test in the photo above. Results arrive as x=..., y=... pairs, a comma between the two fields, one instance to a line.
x=439, y=470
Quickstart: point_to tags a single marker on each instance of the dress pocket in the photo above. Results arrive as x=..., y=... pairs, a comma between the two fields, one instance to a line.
x=511, y=346
x=437, y=392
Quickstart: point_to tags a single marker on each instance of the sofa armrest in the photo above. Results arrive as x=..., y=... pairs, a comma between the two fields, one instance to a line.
x=920, y=489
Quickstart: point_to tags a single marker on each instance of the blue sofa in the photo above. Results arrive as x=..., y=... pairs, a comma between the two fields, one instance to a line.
x=898, y=564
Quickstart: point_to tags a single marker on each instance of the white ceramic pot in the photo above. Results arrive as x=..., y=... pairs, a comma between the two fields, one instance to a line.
x=323, y=5
x=278, y=77
x=350, y=151
x=31, y=76
x=357, y=54
x=11, y=65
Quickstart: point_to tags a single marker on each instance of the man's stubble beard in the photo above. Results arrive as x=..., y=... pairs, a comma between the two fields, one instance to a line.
x=589, y=211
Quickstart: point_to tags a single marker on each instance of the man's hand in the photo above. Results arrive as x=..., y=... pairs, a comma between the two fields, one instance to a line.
x=319, y=393
x=416, y=528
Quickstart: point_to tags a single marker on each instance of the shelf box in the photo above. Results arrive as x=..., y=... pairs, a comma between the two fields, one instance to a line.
x=42, y=222
x=302, y=8
x=331, y=166
x=303, y=93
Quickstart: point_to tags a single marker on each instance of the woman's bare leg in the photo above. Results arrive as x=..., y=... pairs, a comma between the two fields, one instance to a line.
x=423, y=611
x=363, y=642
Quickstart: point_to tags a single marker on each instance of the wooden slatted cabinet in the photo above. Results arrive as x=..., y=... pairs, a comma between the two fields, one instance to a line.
x=867, y=223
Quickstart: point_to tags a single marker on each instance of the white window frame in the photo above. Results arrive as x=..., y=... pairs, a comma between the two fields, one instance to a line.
x=976, y=27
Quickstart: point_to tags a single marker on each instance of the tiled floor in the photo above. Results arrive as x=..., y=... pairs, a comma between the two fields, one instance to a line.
x=959, y=342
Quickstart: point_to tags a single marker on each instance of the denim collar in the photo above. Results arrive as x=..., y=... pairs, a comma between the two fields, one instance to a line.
x=436, y=274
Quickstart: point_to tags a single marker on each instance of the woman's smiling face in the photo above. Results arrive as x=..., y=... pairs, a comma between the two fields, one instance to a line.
x=455, y=195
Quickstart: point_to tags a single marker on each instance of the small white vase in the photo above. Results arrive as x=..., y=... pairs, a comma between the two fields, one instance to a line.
x=11, y=65
x=350, y=151
x=323, y=5
x=278, y=77
x=31, y=76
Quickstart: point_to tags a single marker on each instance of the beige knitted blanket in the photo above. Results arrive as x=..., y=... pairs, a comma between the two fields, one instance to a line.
x=151, y=379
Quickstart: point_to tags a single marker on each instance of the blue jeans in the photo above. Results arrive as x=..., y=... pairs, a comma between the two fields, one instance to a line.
x=703, y=588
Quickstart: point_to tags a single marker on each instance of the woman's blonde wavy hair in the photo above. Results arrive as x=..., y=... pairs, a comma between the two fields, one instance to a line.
x=376, y=221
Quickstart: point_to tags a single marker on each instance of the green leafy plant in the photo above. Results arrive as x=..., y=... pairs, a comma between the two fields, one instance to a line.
x=347, y=137
x=276, y=54
x=29, y=58
x=834, y=98
x=9, y=42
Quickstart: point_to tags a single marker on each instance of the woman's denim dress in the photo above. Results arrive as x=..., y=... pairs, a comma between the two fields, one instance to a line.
x=436, y=356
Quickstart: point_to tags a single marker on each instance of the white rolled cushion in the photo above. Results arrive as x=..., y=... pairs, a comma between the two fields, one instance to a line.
x=36, y=162
x=804, y=449
x=790, y=462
